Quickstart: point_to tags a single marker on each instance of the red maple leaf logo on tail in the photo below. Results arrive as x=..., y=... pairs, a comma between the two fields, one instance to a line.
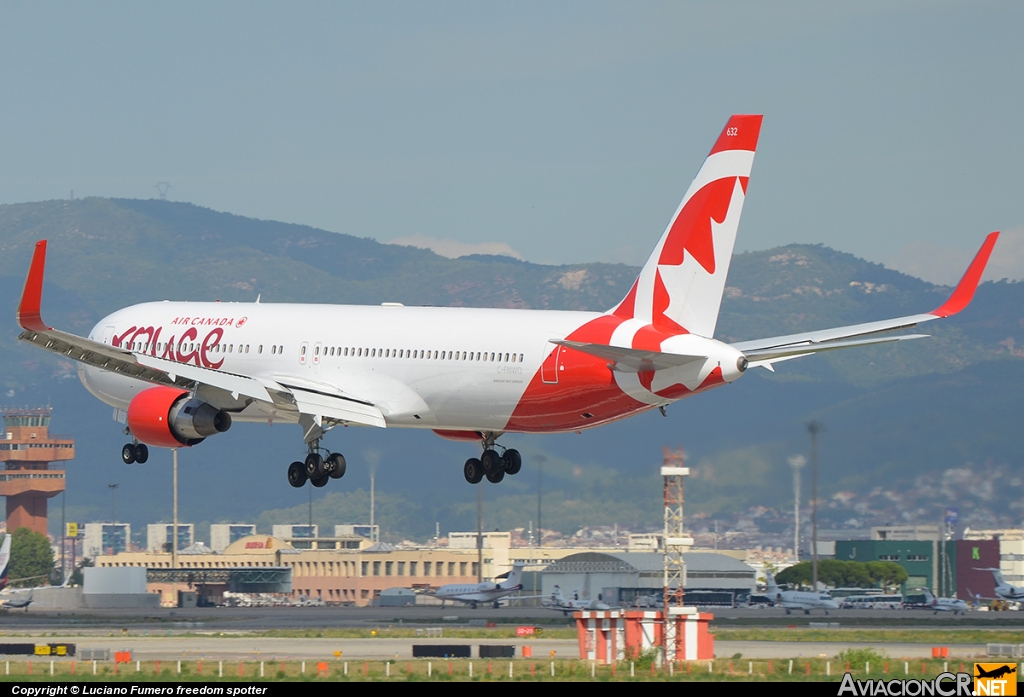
x=691, y=230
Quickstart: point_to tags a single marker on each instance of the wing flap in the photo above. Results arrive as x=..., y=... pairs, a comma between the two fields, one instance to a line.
x=337, y=408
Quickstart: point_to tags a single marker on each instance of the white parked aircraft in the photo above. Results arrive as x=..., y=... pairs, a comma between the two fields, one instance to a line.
x=954, y=605
x=179, y=372
x=17, y=601
x=476, y=593
x=799, y=600
x=5, y=561
x=1003, y=590
x=558, y=601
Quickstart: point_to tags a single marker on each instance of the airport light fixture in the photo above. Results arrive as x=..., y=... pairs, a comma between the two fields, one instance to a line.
x=797, y=462
x=814, y=428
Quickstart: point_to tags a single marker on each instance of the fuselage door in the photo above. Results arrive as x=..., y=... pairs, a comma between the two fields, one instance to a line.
x=549, y=368
x=303, y=349
x=316, y=353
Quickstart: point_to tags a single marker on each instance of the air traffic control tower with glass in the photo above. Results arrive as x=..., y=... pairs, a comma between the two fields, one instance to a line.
x=27, y=450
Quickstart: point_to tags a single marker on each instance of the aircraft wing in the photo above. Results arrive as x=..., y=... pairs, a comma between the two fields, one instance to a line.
x=217, y=385
x=764, y=352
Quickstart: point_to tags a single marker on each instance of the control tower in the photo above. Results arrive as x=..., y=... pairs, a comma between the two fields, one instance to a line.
x=27, y=480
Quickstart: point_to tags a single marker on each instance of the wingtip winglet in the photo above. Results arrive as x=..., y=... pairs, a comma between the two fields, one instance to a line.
x=31, y=297
x=964, y=291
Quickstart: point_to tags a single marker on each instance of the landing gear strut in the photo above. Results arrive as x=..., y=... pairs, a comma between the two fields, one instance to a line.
x=316, y=468
x=490, y=464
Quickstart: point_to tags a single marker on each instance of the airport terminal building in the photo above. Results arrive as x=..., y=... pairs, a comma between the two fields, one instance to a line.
x=352, y=570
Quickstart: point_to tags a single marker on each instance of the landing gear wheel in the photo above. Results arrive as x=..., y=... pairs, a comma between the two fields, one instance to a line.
x=496, y=476
x=320, y=481
x=141, y=453
x=128, y=453
x=314, y=466
x=297, y=474
x=473, y=471
x=491, y=462
x=336, y=464
x=512, y=461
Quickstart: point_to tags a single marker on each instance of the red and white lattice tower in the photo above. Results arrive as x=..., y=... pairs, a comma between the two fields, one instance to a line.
x=676, y=543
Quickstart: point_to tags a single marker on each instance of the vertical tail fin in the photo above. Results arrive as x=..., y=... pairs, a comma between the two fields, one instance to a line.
x=773, y=588
x=5, y=558
x=514, y=579
x=680, y=287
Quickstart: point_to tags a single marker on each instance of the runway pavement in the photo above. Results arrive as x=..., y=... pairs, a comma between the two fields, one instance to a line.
x=229, y=633
x=253, y=619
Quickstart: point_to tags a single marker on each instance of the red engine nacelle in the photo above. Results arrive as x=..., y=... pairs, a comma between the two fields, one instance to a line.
x=166, y=417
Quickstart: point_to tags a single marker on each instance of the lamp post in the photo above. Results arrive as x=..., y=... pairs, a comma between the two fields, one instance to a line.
x=814, y=428
x=796, y=462
x=113, y=508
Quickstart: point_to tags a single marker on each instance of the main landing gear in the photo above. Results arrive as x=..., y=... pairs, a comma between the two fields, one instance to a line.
x=492, y=465
x=135, y=452
x=316, y=468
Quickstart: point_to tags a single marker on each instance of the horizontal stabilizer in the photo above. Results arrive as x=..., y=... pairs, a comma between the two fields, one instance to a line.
x=631, y=360
x=770, y=355
x=778, y=348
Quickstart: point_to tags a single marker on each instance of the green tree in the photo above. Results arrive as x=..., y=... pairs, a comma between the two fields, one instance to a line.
x=886, y=574
x=795, y=576
x=78, y=576
x=31, y=559
x=845, y=574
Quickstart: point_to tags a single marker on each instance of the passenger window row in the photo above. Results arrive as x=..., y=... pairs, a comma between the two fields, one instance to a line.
x=416, y=354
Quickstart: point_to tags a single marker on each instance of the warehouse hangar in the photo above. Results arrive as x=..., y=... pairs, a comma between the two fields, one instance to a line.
x=637, y=578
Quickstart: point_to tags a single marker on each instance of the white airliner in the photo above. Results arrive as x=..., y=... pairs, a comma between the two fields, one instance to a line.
x=476, y=593
x=954, y=605
x=799, y=600
x=178, y=372
x=1003, y=590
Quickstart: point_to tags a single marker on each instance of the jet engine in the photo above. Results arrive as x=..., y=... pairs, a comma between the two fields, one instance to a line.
x=167, y=417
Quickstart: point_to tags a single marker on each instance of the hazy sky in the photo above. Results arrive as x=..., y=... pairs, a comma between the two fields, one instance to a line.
x=563, y=131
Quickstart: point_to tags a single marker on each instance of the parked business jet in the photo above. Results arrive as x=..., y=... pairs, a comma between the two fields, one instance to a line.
x=5, y=561
x=1003, y=590
x=476, y=593
x=954, y=605
x=799, y=600
x=558, y=601
x=177, y=373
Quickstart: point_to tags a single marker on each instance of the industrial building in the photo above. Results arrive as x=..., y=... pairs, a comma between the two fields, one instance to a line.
x=338, y=574
x=944, y=568
x=629, y=579
x=351, y=570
